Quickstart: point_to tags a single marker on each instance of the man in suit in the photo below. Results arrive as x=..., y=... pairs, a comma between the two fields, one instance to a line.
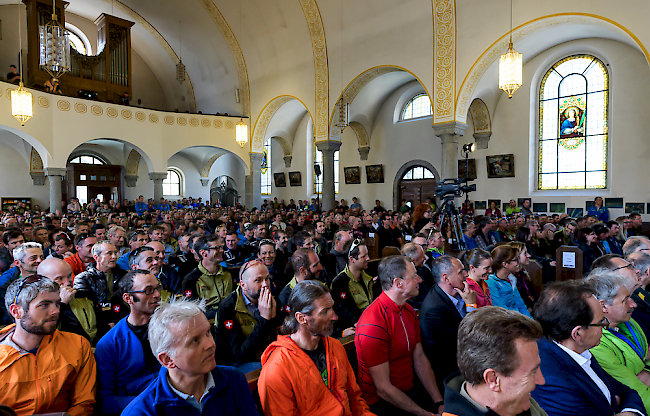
x=573, y=322
x=444, y=307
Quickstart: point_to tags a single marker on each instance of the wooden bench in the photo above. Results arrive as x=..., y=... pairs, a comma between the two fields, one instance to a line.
x=252, y=378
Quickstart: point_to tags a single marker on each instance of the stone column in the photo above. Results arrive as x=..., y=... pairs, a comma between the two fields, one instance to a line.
x=56, y=176
x=328, y=148
x=449, y=134
x=256, y=180
x=482, y=139
x=157, y=178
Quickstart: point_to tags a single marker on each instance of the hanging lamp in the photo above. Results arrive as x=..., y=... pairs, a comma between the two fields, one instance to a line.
x=180, y=67
x=54, y=46
x=510, y=66
x=21, y=99
x=241, y=133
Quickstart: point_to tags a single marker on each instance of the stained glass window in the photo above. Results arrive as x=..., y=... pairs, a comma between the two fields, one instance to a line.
x=318, y=180
x=418, y=106
x=573, y=131
x=266, y=168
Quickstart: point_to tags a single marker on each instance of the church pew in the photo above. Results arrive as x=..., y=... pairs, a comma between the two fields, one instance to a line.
x=536, y=274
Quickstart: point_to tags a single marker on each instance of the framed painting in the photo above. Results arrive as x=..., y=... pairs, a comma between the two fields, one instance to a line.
x=557, y=207
x=497, y=203
x=480, y=204
x=295, y=179
x=352, y=175
x=279, y=179
x=501, y=166
x=575, y=212
x=613, y=202
x=462, y=169
x=375, y=174
x=540, y=207
x=638, y=207
x=589, y=204
x=520, y=202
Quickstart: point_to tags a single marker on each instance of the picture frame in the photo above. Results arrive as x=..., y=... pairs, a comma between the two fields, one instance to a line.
x=575, y=212
x=280, y=180
x=480, y=204
x=462, y=167
x=352, y=175
x=295, y=179
x=638, y=207
x=557, y=207
x=500, y=166
x=497, y=203
x=520, y=202
x=613, y=203
x=589, y=204
x=540, y=207
x=375, y=174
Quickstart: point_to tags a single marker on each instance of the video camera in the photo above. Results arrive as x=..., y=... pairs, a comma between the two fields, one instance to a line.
x=453, y=187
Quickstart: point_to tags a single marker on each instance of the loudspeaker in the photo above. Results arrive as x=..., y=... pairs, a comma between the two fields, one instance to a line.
x=317, y=170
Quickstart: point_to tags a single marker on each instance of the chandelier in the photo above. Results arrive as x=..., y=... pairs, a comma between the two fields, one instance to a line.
x=241, y=133
x=344, y=114
x=21, y=99
x=180, y=72
x=54, y=46
x=510, y=66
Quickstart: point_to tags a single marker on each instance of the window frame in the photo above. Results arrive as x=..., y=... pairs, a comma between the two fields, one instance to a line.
x=94, y=157
x=181, y=183
x=409, y=102
x=318, y=180
x=267, y=176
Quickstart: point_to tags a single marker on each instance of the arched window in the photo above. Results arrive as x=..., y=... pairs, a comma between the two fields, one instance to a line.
x=172, y=184
x=416, y=107
x=573, y=101
x=78, y=40
x=266, y=168
x=88, y=160
x=318, y=180
x=417, y=173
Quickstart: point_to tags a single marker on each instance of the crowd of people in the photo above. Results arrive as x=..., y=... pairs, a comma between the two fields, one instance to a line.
x=161, y=308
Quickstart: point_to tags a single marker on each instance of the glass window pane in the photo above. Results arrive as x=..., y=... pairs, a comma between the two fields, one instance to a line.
x=573, y=85
x=82, y=194
x=418, y=106
x=596, y=180
x=428, y=174
x=409, y=174
x=551, y=85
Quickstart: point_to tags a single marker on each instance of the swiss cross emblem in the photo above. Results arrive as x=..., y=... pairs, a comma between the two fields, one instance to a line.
x=287, y=308
x=343, y=295
x=188, y=293
x=116, y=308
x=228, y=324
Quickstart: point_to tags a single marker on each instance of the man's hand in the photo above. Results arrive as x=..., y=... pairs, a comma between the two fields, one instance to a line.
x=644, y=376
x=66, y=294
x=266, y=304
x=348, y=331
x=468, y=295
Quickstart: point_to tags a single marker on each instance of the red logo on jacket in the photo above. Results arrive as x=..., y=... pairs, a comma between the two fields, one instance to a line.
x=343, y=295
x=188, y=293
x=116, y=308
x=228, y=324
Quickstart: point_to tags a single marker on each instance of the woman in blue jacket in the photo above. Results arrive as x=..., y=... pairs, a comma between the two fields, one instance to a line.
x=503, y=283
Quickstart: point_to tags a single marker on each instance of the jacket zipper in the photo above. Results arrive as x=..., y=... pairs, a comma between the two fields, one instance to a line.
x=86, y=315
x=408, y=342
x=38, y=389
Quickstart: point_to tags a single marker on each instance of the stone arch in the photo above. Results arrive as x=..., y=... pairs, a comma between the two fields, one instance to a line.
x=133, y=163
x=362, y=138
x=35, y=162
x=480, y=116
x=402, y=171
x=43, y=154
x=264, y=119
x=523, y=31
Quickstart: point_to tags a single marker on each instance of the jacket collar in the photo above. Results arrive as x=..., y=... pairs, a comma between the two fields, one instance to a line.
x=445, y=298
x=240, y=304
x=165, y=396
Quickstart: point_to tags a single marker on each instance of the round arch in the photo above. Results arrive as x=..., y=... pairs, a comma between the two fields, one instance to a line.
x=45, y=155
x=402, y=171
x=264, y=120
x=89, y=152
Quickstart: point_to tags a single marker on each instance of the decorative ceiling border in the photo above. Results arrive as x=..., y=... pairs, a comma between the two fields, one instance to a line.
x=264, y=119
x=480, y=115
x=521, y=32
x=444, y=60
x=235, y=49
x=321, y=69
x=161, y=39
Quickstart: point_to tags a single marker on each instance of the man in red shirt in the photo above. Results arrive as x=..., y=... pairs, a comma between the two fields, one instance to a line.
x=84, y=243
x=389, y=347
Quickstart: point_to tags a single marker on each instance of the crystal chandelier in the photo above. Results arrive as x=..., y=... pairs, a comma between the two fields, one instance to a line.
x=344, y=114
x=510, y=66
x=241, y=133
x=54, y=46
x=21, y=99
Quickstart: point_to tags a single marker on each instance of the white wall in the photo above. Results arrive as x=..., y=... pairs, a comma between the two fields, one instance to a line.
x=9, y=45
x=14, y=170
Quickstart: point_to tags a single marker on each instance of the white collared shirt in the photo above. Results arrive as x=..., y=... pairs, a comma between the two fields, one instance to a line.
x=198, y=404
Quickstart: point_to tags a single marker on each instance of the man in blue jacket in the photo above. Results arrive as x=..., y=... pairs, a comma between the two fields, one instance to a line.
x=573, y=322
x=125, y=363
x=140, y=206
x=189, y=382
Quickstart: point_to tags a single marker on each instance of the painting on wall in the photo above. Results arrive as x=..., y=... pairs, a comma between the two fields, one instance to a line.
x=631, y=207
x=501, y=166
x=613, y=202
x=540, y=207
x=480, y=205
x=295, y=179
x=574, y=212
x=463, y=166
x=352, y=175
x=280, y=181
x=375, y=174
x=497, y=203
x=520, y=202
x=557, y=207
x=589, y=204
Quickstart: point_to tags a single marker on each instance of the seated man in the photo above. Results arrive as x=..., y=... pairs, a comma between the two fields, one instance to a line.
x=125, y=362
x=100, y=278
x=389, y=348
x=27, y=257
x=573, y=322
x=235, y=255
x=634, y=244
x=248, y=319
x=306, y=371
x=137, y=239
x=416, y=254
x=641, y=296
x=209, y=280
x=167, y=275
x=83, y=258
x=189, y=381
x=353, y=290
x=43, y=370
x=499, y=365
x=335, y=261
x=306, y=266
x=623, y=349
x=183, y=260
x=445, y=306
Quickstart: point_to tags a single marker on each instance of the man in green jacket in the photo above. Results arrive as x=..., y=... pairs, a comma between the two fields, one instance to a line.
x=623, y=349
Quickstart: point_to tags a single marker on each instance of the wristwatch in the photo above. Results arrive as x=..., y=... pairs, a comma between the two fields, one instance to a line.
x=472, y=305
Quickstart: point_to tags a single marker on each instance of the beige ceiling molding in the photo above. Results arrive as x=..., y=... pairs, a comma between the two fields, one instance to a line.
x=444, y=60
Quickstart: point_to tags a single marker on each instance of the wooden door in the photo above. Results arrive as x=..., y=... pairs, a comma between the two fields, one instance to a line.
x=417, y=191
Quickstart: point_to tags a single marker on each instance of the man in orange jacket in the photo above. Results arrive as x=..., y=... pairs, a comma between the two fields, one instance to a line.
x=43, y=370
x=307, y=371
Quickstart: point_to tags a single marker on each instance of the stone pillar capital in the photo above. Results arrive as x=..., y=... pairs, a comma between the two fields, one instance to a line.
x=287, y=161
x=38, y=178
x=452, y=128
x=363, y=152
x=482, y=139
x=157, y=176
x=205, y=181
x=55, y=171
x=328, y=146
x=130, y=180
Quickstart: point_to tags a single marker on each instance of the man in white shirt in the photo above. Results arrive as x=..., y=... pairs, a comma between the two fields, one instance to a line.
x=573, y=322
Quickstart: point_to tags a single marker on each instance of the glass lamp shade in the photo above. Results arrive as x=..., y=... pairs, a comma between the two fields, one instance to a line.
x=241, y=133
x=180, y=72
x=510, y=71
x=21, y=104
x=54, y=47
x=343, y=119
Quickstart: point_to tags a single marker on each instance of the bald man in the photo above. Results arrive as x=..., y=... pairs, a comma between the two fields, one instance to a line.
x=78, y=313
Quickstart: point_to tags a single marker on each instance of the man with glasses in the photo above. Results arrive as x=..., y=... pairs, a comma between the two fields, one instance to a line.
x=248, y=319
x=27, y=257
x=209, y=280
x=126, y=364
x=44, y=370
x=636, y=243
x=641, y=296
x=573, y=323
x=623, y=348
x=136, y=239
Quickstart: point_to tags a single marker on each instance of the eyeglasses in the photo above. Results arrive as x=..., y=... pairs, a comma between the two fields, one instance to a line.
x=26, y=281
x=604, y=323
x=628, y=266
x=149, y=290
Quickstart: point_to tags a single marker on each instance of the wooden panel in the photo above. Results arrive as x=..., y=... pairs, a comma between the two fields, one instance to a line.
x=568, y=273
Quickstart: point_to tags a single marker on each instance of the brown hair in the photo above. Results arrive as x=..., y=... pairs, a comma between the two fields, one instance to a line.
x=419, y=211
x=502, y=254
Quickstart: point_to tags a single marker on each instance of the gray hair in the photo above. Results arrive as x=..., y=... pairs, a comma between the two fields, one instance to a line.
x=391, y=268
x=19, y=252
x=634, y=244
x=411, y=250
x=98, y=248
x=302, y=299
x=442, y=265
x=174, y=313
x=28, y=292
x=640, y=261
x=606, y=284
x=114, y=229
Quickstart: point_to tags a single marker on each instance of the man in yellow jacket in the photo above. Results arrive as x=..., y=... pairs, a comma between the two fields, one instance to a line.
x=43, y=370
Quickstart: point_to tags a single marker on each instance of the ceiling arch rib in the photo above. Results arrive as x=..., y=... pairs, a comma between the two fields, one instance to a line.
x=480, y=115
x=277, y=120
